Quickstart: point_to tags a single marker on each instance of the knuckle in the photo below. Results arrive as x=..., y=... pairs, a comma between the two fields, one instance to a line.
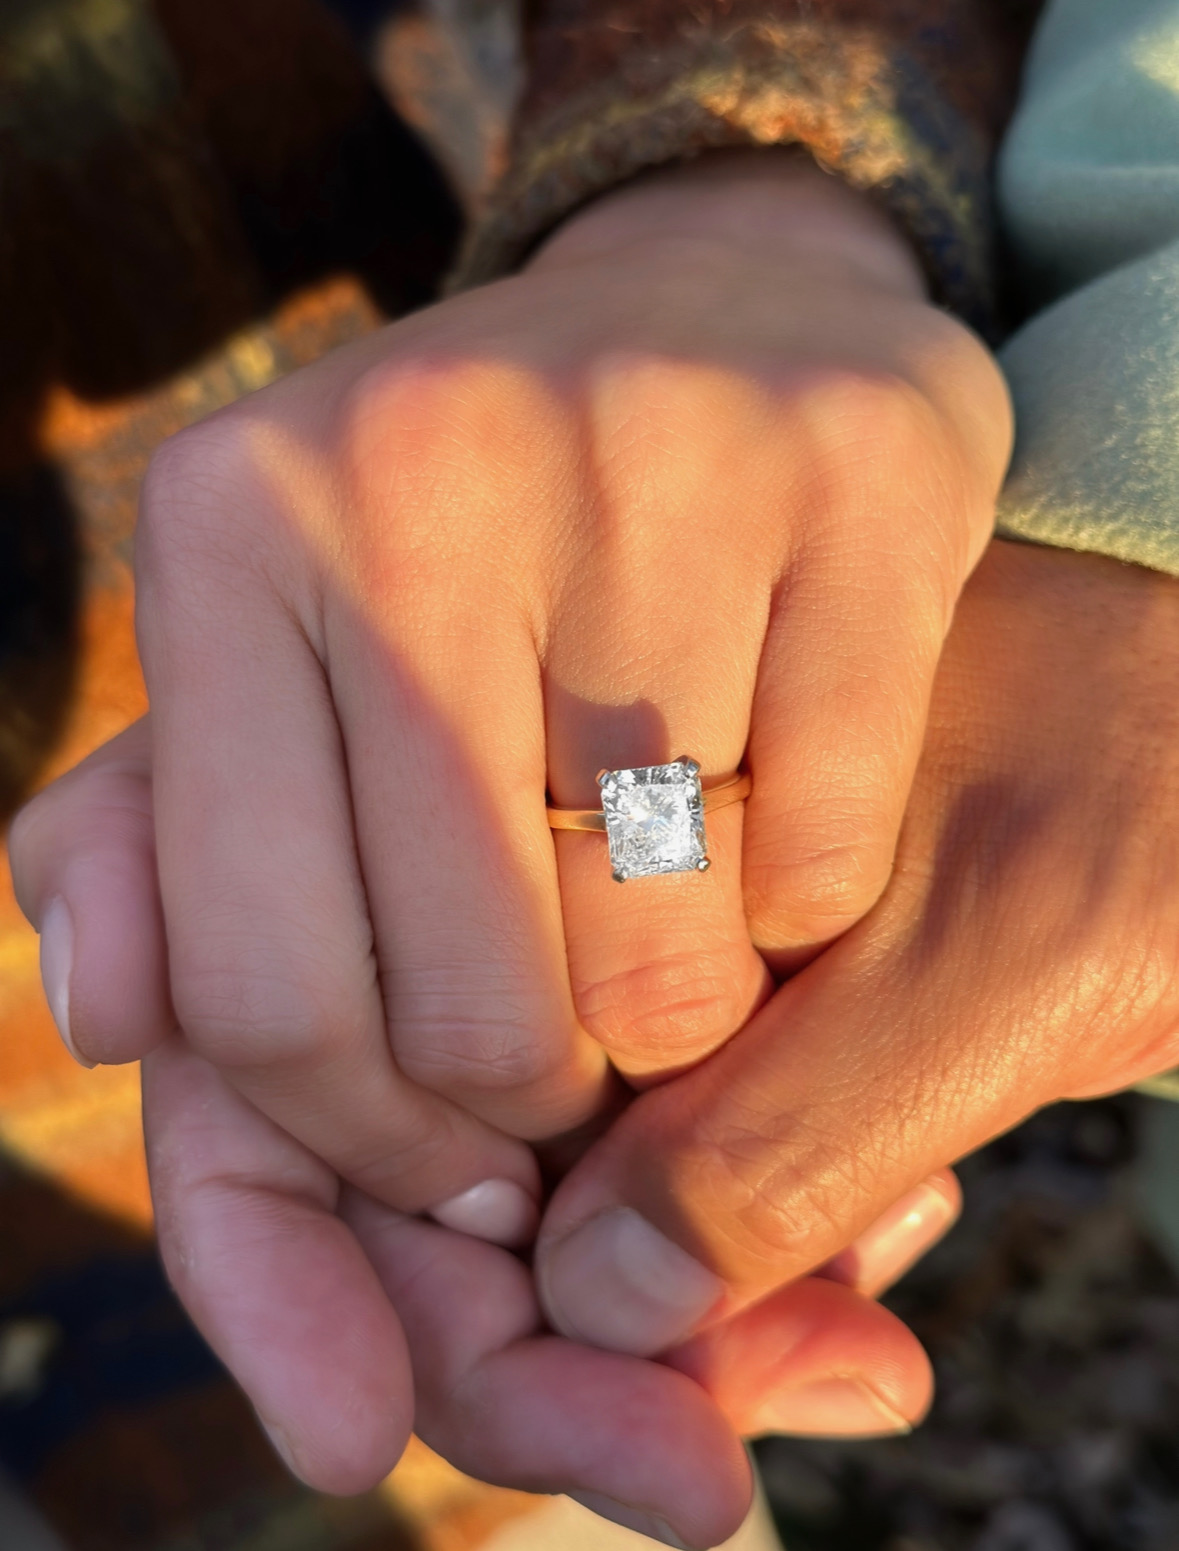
x=874, y=443
x=447, y=464
x=237, y=1022
x=406, y=1162
x=241, y=1010
x=203, y=507
x=416, y=434
x=1133, y=1006
x=189, y=473
x=800, y=895
x=675, y=1006
x=780, y=1183
x=482, y=1054
x=877, y=414
x=485, y=1030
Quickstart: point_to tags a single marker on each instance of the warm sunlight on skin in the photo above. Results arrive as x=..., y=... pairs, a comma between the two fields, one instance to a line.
x=703, y=485
x=1027, y=950
x=348, y=811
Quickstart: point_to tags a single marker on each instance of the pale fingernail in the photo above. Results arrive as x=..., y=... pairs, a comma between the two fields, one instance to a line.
x=497, y=1210
x=617, y=1282
x=894, y=1242
x=638, y=1519
x=831, y=1408
x=57, y=956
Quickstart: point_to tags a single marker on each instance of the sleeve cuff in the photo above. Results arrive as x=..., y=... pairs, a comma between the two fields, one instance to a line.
x=866, y=109
x=1093, y=379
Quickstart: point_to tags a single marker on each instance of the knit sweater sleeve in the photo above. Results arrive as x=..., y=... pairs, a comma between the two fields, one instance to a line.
x=1089, y=192
x=903, y=98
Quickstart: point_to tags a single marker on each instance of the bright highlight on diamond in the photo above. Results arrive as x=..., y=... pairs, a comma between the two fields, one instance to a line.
x=654, y=819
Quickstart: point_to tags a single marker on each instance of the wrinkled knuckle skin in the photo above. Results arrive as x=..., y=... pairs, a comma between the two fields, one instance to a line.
x=418, y=444
x=813, y=897
x=186, y=477
x=204, y=510
x=678, y=1007
x=253, y=1019
x=405, y=1163
x=876, y=411
x=1135, y=1013
x=871, y=436
x=770, y=1183
x=451, y=1056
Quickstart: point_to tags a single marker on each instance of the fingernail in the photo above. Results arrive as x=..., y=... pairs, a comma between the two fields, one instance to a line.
x=57, y=956
x=831, y=1408
x=638, y=1519
x=617, y=1282
x=894, y=1242
x=497, y=1210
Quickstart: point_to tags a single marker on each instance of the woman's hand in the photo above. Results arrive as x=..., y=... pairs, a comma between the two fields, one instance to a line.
x=1026, y=950
x=706, y=478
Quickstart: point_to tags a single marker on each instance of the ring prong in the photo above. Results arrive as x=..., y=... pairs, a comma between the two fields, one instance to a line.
x=704, y=864
x=688, y=763
x=619, y=877
x=600, y=778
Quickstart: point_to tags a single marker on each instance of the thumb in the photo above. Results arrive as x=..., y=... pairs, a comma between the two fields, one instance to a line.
x=84, y=870
x=820, y=1126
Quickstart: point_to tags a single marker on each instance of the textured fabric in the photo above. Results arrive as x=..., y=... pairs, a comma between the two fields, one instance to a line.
x=903, y=98
x=1089, y=195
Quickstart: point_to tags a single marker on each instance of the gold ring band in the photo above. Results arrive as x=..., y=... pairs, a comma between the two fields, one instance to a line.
x=717, y=793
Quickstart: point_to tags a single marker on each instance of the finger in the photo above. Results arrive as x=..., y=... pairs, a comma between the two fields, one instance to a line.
x=997, y=974
x=814, y=1359
x=843, y=1095
x=273, y=1279
x=444, y=740
x=273, y=976
x=646, y=1312
x=84, y=870
x=899, y=1237
x=662, y=967
x=731, y=1181
x=856, y=630
x=512, y=1406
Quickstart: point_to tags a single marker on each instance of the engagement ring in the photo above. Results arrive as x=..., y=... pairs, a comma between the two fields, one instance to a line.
x=653, y=816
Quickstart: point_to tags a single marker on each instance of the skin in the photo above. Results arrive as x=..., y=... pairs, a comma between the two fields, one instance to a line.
x=708, y=477
x=1025, y=950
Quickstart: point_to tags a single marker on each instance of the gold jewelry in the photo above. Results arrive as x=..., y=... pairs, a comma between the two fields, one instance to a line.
x=653, y=816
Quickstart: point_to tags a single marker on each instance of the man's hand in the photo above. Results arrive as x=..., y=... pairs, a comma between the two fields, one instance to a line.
x=706, y=478
x=1026, y=950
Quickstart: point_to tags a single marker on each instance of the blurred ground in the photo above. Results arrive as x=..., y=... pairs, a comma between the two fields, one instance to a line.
x=1054, y=1328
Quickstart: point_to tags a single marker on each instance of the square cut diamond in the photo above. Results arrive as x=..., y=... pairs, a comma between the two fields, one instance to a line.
x=654, y=819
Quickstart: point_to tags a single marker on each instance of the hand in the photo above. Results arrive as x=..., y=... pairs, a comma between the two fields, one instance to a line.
x=1026, y=950
x=249, y=560
x=319, y=1302
x=276, y=1267
x=711, y=472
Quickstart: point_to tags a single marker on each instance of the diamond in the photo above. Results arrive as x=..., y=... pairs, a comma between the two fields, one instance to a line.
x=654, y=819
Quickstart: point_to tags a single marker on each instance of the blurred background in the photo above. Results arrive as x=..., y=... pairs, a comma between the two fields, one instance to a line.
x=195, y=197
